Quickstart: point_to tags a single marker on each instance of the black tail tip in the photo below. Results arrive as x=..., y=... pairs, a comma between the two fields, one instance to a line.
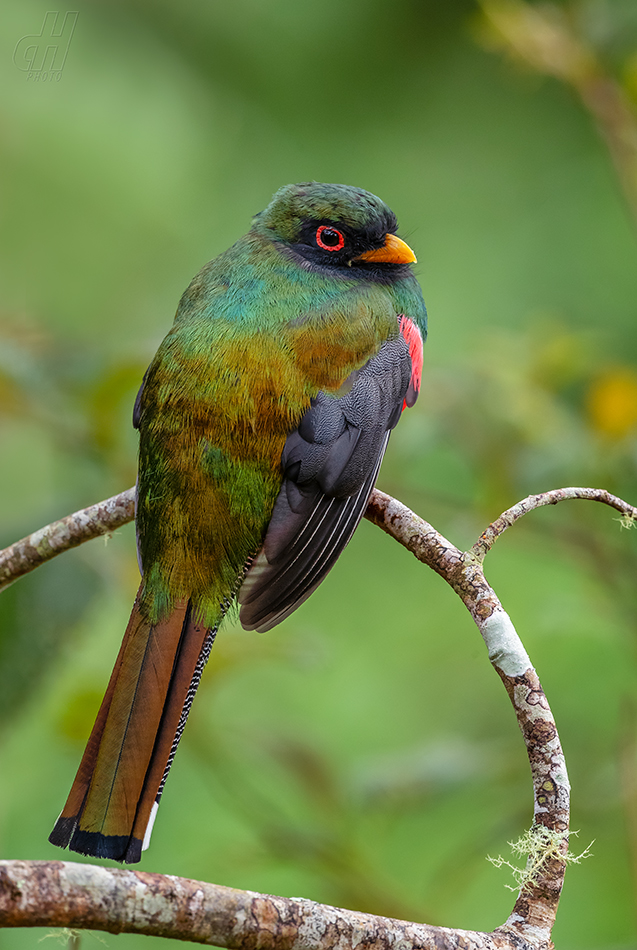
x=63, y=831
x=122, y=848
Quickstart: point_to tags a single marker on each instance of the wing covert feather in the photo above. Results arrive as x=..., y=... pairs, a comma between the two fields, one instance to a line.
x=330, y=465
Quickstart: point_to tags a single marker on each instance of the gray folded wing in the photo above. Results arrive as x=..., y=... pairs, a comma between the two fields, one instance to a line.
x=330, y=464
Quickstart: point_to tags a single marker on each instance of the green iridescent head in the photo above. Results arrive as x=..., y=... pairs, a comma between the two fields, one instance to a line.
x=313, y=200
x=336, y=226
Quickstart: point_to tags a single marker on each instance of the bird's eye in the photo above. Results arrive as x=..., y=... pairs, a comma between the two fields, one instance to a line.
x=329, y=238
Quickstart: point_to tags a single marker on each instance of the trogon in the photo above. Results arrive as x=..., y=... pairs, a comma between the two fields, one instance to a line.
x=263, y=420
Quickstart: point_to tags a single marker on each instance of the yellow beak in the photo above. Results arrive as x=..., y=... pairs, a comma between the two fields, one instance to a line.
x=394, y=251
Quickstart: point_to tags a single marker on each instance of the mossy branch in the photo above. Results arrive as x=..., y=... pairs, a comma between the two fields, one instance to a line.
x=71, y=895
x=538, y=845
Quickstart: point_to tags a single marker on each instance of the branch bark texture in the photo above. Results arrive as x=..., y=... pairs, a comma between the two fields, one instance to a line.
x=65, y=894
x=84, y=525
x=534, y=912
x=72, y=895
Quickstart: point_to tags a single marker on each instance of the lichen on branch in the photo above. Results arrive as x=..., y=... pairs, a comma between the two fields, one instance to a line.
x=72, y=895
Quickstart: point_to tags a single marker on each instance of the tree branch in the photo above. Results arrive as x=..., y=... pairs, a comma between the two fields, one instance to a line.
x=486, y=540
x=534, y=912
x=79, y=895
x=64, y=894
x=25, y=555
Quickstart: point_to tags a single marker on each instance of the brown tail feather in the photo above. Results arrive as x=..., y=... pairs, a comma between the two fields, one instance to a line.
x=110, y=809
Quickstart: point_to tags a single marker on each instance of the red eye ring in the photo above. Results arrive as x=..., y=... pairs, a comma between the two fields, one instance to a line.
x=332, y=233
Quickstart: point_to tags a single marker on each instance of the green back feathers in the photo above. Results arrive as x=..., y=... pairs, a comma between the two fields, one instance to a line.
x=309, y=295
x=255, y=337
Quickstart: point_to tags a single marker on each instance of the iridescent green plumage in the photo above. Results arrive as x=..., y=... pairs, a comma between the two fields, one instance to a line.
x=255, y=338
x=263, y=421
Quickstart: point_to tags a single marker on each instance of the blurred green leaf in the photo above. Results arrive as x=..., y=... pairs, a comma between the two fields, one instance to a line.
x=37, y=617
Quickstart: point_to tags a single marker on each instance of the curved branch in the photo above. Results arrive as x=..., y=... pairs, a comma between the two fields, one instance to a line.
x=64, y=894
x=486, y=540
x=74, y=895
x=109, y=515
x=534, y=912
x=84, y=525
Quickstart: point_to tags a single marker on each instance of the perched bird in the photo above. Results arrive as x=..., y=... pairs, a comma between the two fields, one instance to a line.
x=263, y=420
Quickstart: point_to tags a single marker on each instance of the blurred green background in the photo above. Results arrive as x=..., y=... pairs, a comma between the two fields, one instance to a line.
x=364, y=753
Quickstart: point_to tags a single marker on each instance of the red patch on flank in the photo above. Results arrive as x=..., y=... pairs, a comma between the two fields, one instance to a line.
x=413, y=338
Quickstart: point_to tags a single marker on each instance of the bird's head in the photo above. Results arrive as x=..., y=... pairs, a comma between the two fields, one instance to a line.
x=336, y=227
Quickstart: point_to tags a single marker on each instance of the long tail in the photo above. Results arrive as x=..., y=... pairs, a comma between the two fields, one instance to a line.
x=112, y=805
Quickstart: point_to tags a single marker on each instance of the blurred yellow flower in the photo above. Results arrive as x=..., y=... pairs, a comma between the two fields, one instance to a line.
x=612, y=402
